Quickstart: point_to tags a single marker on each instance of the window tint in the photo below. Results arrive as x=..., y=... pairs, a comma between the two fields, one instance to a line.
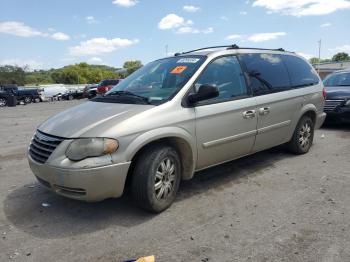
x=338, y=79
x=300, y=72
x=225, y=73
x=267, y=73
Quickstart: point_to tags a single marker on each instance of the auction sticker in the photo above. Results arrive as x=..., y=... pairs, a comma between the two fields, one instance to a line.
x=178, y=70
x=188, y=60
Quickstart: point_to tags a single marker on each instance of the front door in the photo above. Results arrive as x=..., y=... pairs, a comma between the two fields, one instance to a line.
x=225, y=125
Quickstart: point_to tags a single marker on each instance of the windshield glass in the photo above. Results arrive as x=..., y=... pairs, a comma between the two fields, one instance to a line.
x=158, y=81
x=340, y=79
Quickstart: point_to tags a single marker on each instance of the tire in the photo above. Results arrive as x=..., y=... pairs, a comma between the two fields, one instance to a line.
x=70, y=97
x=3, y=102
x=303, y=136
x=156, y=178
x=27, y=100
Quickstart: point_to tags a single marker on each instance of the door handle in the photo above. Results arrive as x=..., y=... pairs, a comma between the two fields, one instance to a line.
x=249, y=114
x=264, y=111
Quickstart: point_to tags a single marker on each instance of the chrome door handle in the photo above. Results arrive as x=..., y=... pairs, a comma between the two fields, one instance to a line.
x=264, y=110
x=249, y=114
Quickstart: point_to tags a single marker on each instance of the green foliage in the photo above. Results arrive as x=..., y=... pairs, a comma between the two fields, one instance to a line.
x=341, y=57
x=132, y=66
x=81, y=73
x=316, y=60
x=12, y=75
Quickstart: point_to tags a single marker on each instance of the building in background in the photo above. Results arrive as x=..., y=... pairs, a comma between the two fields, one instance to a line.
x=327, y=68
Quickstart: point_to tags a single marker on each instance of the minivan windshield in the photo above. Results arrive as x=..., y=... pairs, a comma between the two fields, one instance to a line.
x=156, y=82
x=338, y=79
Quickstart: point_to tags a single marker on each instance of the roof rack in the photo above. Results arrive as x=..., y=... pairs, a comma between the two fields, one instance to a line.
x=228, y=47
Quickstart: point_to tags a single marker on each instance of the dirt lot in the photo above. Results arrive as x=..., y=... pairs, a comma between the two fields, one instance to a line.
x=271, y=206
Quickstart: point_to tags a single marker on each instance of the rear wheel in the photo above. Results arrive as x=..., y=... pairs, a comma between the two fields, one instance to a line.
x=27, y=99
x=303, y=136
x=3, y=102
x=156, y=178
x=70, y=97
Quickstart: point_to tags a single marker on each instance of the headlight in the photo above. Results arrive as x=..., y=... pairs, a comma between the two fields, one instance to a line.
x=82, y=148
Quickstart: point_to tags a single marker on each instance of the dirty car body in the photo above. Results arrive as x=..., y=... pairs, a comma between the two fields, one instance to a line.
x=204, y=108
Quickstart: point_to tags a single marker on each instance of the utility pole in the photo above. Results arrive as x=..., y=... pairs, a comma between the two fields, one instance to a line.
x=166, y=50
x=319, y=55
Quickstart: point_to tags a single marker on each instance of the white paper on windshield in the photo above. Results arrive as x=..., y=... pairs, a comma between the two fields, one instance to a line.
x=188, y=60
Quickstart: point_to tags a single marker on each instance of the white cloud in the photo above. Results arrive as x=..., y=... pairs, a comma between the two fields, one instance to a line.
x=125, y=3
x=60, y=36
x=303, y=7
x=187, y=30
x=31, y=64
x=233, y=37
x=191, y=8
x=225, y=18
x=22, y=30
x=171, y=21
x=326, y=25
x=343, y=48
x=243, y=13
x=261, y=37
x=101, y=45
x=209, y=30
x=18, y=29
x=91, y=20
x=95, y=60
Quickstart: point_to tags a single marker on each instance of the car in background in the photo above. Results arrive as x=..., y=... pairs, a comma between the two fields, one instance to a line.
x=73, y=94
x=27, y=95
x=90, y=91
x=337, y=106
x=105, y=85
x=4, y=96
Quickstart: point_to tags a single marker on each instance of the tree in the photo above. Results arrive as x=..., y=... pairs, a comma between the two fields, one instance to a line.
x=342, y=56
x=12, y=75
x=132, y=66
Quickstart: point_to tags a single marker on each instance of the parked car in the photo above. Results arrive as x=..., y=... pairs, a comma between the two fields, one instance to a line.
x=90, y=91
x=106, y=85
x=337, y=104
x=73, y=94
x=175, y=116
x=27, y=95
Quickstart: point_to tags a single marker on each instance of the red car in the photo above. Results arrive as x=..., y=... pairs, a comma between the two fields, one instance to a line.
x=106, y=85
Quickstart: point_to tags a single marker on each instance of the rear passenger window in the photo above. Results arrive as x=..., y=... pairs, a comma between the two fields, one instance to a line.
x=267, y=72
x=225, y=73
x=300, y=72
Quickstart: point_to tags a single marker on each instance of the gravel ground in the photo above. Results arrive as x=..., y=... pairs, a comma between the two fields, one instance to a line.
x=271, y=206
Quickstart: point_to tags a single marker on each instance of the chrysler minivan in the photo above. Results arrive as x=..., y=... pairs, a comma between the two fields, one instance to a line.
x=175, y=116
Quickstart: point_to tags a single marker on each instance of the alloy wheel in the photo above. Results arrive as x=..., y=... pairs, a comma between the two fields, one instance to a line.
x=164, y=179
x=304, y=135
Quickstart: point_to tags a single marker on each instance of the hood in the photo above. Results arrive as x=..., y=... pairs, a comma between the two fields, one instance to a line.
x=338, y=92
x=89, y=119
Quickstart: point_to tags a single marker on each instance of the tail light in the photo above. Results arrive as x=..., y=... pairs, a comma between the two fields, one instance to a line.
x=324, y=93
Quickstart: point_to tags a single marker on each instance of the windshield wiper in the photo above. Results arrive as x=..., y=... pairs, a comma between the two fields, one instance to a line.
x=127, y=93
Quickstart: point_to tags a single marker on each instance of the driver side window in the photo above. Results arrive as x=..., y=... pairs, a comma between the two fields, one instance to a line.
x=224, y=73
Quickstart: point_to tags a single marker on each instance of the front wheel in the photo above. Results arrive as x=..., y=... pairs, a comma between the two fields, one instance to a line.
x=156, y=178
x=303, y=136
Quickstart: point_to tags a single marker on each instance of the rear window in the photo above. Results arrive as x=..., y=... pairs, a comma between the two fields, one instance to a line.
x=109, y=82
x=267, y=73
x=300, y=72
x=338, y=79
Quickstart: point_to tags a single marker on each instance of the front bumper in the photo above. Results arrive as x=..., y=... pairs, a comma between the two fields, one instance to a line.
x=88, y=184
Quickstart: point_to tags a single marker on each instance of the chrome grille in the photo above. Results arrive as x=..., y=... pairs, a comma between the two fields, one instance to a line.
x=43, y=145
x=330, y=105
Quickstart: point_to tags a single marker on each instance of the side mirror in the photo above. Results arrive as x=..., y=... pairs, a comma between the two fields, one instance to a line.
x=204, y=92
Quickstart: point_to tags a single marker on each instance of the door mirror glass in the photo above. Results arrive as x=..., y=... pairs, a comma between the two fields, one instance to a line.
x=204, y=92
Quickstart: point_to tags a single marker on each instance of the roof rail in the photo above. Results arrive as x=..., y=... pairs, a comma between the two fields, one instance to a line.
x=234, y=46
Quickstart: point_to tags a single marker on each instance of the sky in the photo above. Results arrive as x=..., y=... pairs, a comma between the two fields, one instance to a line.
x=50, y=34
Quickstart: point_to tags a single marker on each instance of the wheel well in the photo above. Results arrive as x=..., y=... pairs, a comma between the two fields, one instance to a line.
x=311, y=114
x=180, y=145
